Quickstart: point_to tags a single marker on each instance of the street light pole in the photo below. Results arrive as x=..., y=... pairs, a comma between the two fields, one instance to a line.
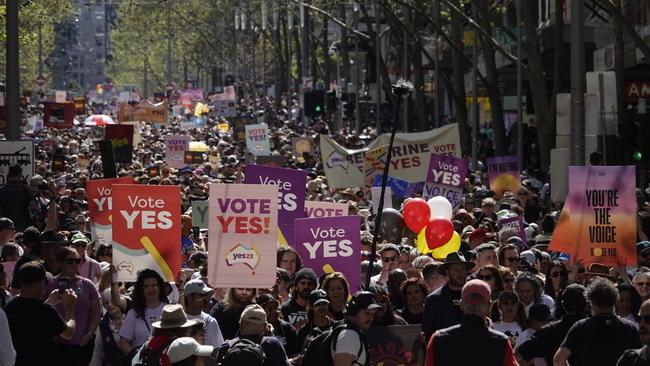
x=436, y=78
x=520, y=114
x=12, y=72
x=377, y=69
x=577, y=83
x=474, y=118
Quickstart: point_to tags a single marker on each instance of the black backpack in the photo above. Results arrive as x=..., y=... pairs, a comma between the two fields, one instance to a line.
x=319, y=350
x=151, y=357
x=243, y=352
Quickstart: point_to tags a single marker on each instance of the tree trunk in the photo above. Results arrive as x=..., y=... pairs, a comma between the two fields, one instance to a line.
x=492, y=85
x=421, y=107
x=544, y=117
x=343, y=47
x=619, y=63
x=458, y=80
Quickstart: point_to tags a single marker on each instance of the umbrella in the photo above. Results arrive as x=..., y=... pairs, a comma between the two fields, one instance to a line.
x=198, y=146
x=99, y=120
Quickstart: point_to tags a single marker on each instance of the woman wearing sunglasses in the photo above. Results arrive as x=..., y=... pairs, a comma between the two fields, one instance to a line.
x=491, y=275
x=87, y=313
x=557, y=279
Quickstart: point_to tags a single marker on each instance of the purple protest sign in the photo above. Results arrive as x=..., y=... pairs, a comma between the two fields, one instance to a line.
x=291, y=200
x=516, y=222
x=504, y=175
x=446, y=177
x=331, y=244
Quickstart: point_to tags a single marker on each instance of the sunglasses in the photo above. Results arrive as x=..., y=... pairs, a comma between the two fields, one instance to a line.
x=73, y=261
x=558, y=274
x=79, y=245
x=643, y=284
x=513, y=259
x=389, y=259
x=485, y=278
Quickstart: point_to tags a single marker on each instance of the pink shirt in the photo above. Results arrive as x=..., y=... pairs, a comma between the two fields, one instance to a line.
x=91, y=270
x=87, y=293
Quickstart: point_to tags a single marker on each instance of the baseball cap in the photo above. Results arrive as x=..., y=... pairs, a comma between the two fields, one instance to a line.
x=197, y=287
x=253, y=313
x=265, y=299
x=476, y=292
x=186, y=347
x=363, y=300
x=317, y=297
x=79, y=238
x=642, y=246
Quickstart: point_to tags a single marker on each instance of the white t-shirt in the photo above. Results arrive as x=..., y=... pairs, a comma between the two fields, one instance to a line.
x=545, y=300
x=349, y=342
x=137, y=329
x=510, y=329
x=213, y=336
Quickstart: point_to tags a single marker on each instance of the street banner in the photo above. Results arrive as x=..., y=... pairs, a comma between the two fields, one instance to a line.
x=374, y=164
x=517, y=223
x=79, y=105
x=400, y=188
x=200, y=214
x=291, y=197
x=121, y=137
x=301, y=145
x=446, y=177
x=14, y=152
x=175, y=147
x=561, y=238
x=137, y=135
x=396, y=345
x=100, y=204
x=8, y=268
x=145, y=111
x=242, y=230
x=410, y=156
x=190, y=96
x=58, y=115
x=146, y=230
x=257, y=139
x=315, y=209
x=603, y=214
x=331, y=244
x=503, y=172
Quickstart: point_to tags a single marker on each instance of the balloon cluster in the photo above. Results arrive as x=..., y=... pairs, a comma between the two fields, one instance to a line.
x=431, y=220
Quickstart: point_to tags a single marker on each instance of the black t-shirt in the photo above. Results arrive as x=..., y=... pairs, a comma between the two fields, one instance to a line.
x=287, y=335
x=601, y=340
x=227, y=318
x=33, y=326
x=411, y=318
x=547, y=340
x=634, y=357
x=294, y=313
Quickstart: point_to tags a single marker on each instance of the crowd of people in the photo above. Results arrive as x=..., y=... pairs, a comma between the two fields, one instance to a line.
x=503, y=299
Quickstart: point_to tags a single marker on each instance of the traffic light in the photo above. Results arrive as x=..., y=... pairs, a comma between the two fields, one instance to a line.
x=314, y=103
x=633, y=137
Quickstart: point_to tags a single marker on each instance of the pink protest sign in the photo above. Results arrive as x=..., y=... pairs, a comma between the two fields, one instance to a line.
x=243, y=225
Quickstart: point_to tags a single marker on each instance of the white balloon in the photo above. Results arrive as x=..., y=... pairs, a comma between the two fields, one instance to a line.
x=440, y=207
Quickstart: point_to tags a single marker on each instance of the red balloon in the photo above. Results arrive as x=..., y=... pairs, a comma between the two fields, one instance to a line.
x=438, y=232
x=416, y=214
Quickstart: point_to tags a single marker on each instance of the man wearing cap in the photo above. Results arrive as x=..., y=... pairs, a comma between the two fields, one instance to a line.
x=187, y=351
x=643, y=257
x=282, y=330
x=602, y=338
x=350, y=347
x=546, y=341
x=390, y=257
x=294, y=310
x=488, y=346
x=89, y=268
x=253, y=326
x=441, y=309
x=195, y=296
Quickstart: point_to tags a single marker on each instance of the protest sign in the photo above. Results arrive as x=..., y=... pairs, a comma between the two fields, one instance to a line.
x=561, y=238
x=239, y=128
x=8, y=268
x=374, y=164
x=200, y=214
x=121, y=137
x=410, y=156
x=145, y=111
x=193, y=157
x=446, y=177
x=399, y=188
x=603, y=214
x=503, y=172
x=396, y=345
x=14, y=152
x=223, y=127
x=331, y=244
x=79, y=105
x=314, y=209
x=137, y=135
x=60, y=96
x=146, y=230
x=225, y=108
x=242, y=229
x=58, y=115
x=375, y=193
x=100, y=204
x=301, y=145
x=257, y=139
x=175, y=147
x=516, y=223
x=291, y=195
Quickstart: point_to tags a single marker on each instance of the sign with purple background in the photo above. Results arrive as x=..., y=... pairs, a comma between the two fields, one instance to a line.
x=446, y=177
x=504, y=175
x=331, y=244
x=516, y=222
x=291, y=199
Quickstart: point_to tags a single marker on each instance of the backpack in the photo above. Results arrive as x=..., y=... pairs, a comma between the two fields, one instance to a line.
x=319, y=350
x=151, y=357
x=243, y=352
